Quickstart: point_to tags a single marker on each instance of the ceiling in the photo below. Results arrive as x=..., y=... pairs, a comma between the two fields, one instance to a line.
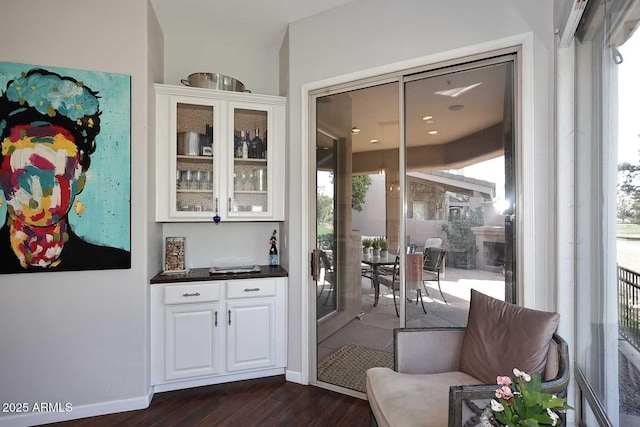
x=251, y=23
x=375, y=110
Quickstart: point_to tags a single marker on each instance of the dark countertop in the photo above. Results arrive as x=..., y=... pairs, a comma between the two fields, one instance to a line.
x=202, y=274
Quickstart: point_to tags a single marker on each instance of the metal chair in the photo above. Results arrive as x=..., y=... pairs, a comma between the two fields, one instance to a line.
x=329, y=276
x=432, y=265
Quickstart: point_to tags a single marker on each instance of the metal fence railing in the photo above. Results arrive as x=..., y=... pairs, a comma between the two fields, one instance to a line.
x=629, y=300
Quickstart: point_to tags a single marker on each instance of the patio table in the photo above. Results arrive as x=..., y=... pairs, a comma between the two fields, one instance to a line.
x=375, y=263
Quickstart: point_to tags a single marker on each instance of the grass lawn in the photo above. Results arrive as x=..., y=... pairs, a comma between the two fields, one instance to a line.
x=628, y=229
x=325, y=229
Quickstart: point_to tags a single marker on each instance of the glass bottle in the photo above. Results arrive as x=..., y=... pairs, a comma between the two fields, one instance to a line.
x=273, y=251
x=256, y=145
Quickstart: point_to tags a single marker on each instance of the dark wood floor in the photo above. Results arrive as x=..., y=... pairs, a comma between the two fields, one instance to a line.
x=262, y=402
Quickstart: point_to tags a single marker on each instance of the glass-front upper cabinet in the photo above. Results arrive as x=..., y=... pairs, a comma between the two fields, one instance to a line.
x=194, y=188
x=249, y=193
x=219, y=155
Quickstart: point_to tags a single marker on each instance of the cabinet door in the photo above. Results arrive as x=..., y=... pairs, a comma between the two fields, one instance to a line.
x=192, y=340
x=251, y=340
x=188, y=166
x=250, y=161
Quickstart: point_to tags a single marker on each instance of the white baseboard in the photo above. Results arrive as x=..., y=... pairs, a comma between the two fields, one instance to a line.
x=75, y=412
x=294, y=377
x=179, y=385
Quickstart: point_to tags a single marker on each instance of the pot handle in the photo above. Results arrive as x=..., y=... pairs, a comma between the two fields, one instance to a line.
x=184, y=82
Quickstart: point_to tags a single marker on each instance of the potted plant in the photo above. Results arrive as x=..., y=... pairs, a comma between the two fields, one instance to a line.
x=521, y=402
x=384, y=247
x=460, y=238
x=366, y=244
x=375, y=244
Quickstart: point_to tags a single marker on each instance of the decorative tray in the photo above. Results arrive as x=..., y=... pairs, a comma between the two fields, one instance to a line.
x=235, y=269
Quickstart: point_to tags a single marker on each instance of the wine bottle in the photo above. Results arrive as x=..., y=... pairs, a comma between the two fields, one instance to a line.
x=237, y=144
x=244, y=147
x=273, y=251
x=256, y=145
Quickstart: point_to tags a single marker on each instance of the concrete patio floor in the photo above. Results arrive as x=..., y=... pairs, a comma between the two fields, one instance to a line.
x=374, y=328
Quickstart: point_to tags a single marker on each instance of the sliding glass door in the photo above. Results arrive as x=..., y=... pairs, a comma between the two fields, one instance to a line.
x=414, y=206
x=459, y=188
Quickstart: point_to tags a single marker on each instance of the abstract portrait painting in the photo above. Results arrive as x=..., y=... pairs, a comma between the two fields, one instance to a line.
x=65, y=169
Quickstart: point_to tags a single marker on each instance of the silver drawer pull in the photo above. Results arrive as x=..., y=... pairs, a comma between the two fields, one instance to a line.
x=195, y=294
x=252, y=289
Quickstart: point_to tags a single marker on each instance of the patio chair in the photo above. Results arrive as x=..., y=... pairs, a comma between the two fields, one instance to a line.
x=433, y=259
x=446, y=376
x=413, y=278
x=329, y=276
x=389, y=277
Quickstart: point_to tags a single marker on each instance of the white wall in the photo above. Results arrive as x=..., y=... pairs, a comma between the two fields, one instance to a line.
x=367, y=35
x=256, y=68
x=82, y=337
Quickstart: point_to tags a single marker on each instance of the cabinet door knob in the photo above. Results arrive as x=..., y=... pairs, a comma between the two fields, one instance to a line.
x=252, y=289
x=195, y=294
x=215, y=321
x=229, y=316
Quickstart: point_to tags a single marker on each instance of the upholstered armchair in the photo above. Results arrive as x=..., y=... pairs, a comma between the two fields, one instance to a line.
x=446, y=376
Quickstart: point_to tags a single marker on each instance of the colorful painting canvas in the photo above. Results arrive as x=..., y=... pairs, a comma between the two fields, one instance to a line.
x=65, y=169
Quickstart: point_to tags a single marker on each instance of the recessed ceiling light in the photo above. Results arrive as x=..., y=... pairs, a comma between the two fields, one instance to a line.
x=456, y=107
x=433, y=132
x=425, y=118
x=429, y=122
x=373, y=141
x=355, y=129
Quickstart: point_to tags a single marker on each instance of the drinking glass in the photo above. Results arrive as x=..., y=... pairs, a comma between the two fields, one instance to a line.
x=197, y=180
x=208, y=180
x=251, y=183
x=187, y=178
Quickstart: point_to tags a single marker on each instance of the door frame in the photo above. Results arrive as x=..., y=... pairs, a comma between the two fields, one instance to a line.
x=522, y=46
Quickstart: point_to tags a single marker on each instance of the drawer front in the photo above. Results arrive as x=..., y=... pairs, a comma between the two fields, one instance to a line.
x=251, y=288
x=184, y=294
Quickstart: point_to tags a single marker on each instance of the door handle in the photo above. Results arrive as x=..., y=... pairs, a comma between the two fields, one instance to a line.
x=215, y=321
x=229, y=316
x=314, y=265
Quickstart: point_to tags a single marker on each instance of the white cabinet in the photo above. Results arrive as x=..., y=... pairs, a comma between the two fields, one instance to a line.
x=218, y=153
x=252, y=339
x=192, y=344
x=217, y=331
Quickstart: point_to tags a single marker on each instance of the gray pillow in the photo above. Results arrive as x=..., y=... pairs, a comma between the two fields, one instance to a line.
x=501, y=336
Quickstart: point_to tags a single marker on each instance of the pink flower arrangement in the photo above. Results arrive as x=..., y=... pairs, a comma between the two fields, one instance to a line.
x=520, y=402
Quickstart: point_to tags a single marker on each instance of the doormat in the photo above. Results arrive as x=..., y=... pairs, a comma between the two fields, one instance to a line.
x=347, y=367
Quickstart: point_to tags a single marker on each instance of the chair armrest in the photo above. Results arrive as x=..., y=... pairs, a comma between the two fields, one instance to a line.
x=427, y=350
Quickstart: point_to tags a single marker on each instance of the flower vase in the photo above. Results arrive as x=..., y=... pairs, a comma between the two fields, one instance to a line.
x=376, y=252
x=384, y=253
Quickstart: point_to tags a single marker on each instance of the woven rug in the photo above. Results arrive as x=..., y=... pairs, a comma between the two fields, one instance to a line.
x=347, y=366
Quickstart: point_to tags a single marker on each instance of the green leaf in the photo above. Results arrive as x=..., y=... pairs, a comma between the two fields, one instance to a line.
x=518, y=406
x=501, y=418
x=529, y=423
